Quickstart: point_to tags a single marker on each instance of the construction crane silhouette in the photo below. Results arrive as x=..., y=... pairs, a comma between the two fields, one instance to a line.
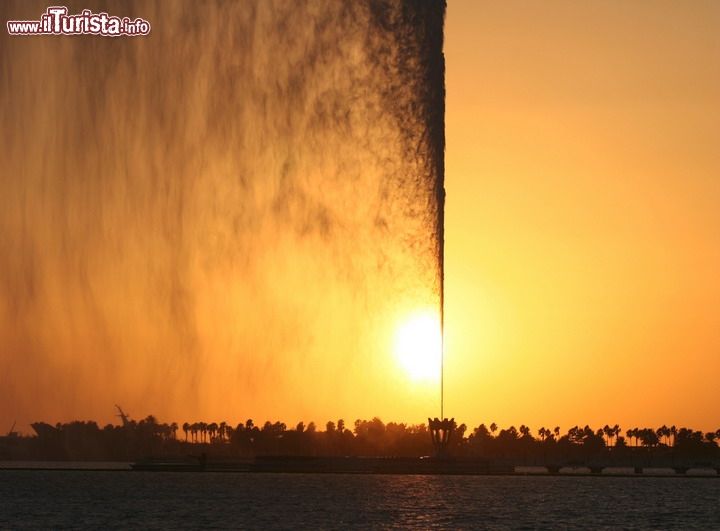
x=125, y=418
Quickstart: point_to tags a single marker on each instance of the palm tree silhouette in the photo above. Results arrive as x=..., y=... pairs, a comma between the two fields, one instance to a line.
x=542, y=433
x=212, y=430
x=635, y=433
x=607, y=431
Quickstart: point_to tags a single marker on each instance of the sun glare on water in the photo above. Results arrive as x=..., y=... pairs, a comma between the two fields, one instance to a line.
x=418, y=347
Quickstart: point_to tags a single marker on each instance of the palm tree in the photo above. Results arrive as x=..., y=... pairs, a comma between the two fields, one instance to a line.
x=574, y=434
x=212, y=430
x=637, y=432
x=663, y=431
x=556, y=431
x=150, y=425
x=186, y=429
x=493, y=428
x=649, y=437
x=608, y=431
x=629, y=434
x=542, y=433
x=480, y=431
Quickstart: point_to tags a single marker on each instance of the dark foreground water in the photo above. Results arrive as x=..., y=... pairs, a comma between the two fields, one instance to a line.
x=65, y=499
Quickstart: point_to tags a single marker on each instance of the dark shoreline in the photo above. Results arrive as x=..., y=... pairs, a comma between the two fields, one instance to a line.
x=357, y=466
x=628, y=475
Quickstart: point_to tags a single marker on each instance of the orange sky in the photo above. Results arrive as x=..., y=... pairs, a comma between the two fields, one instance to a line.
x=582, y=222
x=582, y=228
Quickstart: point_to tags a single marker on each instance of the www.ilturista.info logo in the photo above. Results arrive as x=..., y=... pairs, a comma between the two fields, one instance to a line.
x=56, y=21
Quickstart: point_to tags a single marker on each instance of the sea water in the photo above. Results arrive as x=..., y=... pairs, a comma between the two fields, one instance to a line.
x=113, y=499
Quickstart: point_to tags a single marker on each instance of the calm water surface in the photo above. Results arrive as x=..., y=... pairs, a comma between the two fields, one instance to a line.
x=43, y=499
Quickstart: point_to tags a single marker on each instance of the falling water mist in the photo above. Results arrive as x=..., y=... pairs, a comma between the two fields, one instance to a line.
x=224, y=218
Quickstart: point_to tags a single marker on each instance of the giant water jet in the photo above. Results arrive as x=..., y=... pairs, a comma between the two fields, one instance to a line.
x=224, y=217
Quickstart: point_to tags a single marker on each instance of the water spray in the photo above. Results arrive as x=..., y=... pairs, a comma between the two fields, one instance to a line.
x=218, y=204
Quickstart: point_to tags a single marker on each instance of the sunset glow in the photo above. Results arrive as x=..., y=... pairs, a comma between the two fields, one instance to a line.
x=235, y=215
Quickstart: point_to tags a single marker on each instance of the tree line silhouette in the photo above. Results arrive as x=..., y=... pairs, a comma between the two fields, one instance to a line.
x=85, y=440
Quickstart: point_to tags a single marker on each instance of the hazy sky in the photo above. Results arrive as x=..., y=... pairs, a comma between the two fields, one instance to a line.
x=583, y=228
x=582, y=222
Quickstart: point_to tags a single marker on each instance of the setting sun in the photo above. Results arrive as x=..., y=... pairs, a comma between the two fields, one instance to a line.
x=418, y=347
